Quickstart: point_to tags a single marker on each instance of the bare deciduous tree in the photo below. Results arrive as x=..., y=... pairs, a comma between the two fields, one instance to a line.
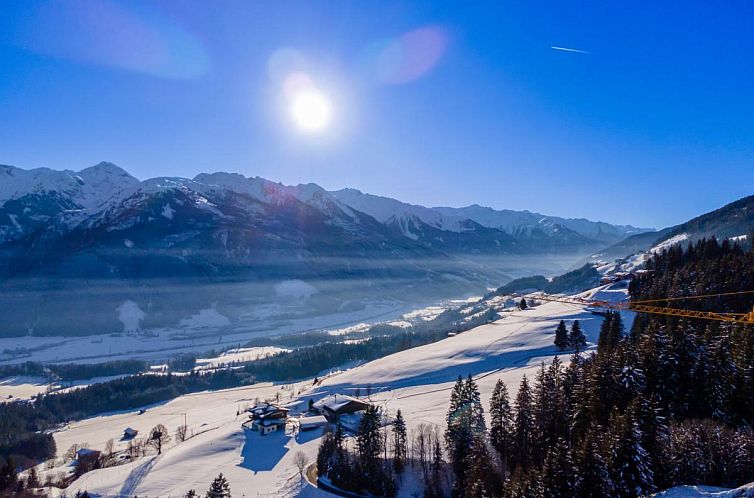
x=142, y=444
x=71, y=453
x=133, y=449
x=422, y=447
x=109, y=449
x=158, y=437
x=301, y=461
x=181, y=433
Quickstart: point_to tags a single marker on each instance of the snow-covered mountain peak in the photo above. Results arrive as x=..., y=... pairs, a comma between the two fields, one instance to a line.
x=386, y=209
x=43, y=194
x=87, y=188
x=107, y=169
x=275, y=193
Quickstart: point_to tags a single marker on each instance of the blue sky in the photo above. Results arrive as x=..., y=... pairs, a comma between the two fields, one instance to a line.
x=438, y=103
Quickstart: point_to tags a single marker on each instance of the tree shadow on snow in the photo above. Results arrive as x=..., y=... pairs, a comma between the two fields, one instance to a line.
x=483, y=367
x=261, y=453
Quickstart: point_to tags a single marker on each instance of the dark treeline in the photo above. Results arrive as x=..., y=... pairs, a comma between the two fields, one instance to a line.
x=310, y=361
x=74, y=371
x=574, y=281
x=706, y=267
x=669, y=403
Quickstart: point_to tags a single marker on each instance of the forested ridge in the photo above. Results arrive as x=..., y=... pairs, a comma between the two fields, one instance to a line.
x=669, y=402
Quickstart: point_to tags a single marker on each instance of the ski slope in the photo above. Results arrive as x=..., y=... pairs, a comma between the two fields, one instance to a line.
x=416, y=381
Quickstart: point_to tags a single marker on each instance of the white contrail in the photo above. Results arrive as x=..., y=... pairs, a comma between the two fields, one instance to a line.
x=571, y=50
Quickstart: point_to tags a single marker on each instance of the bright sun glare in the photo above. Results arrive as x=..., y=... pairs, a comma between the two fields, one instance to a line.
x=311, y=110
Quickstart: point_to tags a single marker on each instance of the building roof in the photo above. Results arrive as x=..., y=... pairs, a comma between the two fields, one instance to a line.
x=352, y=421
x=87, y=452
x=311, y=422
x=337, y=403
x=268, y=423
x=263, y=408
x=264, y=411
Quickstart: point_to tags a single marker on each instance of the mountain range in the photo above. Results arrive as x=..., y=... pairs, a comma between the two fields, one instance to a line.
x=74, y=242
x=29, y=199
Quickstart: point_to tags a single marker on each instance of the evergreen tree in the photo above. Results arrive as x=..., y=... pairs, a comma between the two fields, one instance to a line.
x=523, y=425
x=559, y=472
x=474, y=403
x=616, y=329
x=369, y=442
x=576, y=338
x=611, y=332
x=501, y=423
x=720, y=376
x=219, y=488
x=456, y=439
x=477, y=479
x=592, y=480
x=628, y=464
x=653, y=437
x=561, y=336
x=191, y=493
x=603, y=341
x=526, y=485
x=465, y=421
x=399, y=443
x=8, y=476
x=573, y=392
x=341, y=472
x=325, y=453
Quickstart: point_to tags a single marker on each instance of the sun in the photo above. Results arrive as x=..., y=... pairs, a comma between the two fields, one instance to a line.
x=311, y=110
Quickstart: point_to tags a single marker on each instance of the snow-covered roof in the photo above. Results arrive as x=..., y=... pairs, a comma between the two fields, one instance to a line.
x=264, y=408
x=310, y=422
x=335, y=402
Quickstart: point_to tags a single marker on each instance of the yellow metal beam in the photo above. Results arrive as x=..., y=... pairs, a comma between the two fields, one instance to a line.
x=639, y=307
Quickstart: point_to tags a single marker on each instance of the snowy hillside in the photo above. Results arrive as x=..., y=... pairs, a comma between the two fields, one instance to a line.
x=732, y=221
x=417, y=381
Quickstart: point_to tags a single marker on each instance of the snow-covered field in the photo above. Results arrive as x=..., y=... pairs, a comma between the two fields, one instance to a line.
x=24, y=387
x=210, y=330
x=237, y=355
x=198, y=333
x=21, y=387
x=417, y=381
